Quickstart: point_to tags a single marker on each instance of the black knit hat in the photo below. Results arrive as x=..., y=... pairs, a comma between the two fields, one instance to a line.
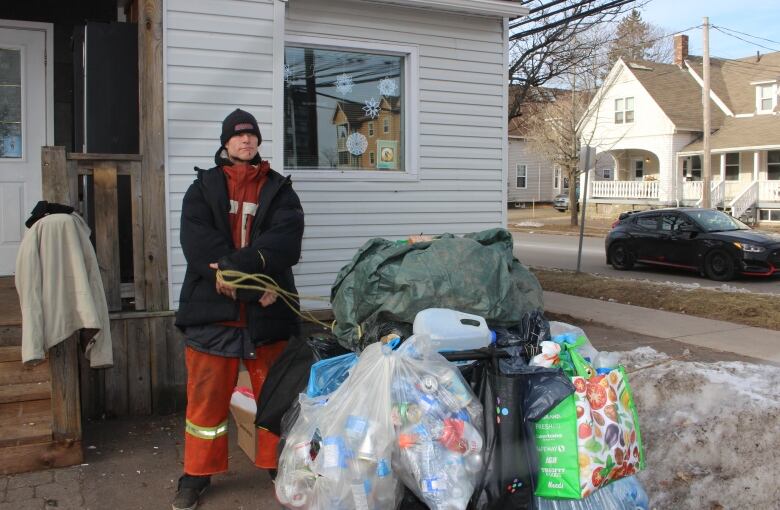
x=239, y=122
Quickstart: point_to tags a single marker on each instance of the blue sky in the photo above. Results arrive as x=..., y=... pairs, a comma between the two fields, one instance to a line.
x=756, y=17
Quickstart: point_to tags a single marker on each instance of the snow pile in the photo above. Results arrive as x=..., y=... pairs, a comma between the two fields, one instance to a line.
x=532, y=224
x=711, y=431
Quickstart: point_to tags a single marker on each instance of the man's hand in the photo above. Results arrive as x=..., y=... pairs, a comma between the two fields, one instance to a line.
x=268, y=298
x=223, y=288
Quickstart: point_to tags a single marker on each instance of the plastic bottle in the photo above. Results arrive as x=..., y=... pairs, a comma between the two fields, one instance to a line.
x=450, y=330
x=384, y=489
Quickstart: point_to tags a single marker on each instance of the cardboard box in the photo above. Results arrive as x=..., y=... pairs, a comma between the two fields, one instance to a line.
x=245, y=421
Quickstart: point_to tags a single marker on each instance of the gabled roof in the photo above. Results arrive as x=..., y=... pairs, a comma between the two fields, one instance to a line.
x=731, y=79
x=742, y=133
x=356, y=115
x=676, y=92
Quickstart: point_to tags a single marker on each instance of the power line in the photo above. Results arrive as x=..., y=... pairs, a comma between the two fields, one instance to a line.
x=744, y=40
x=584, y=14
x=639, y=44
x=749, y=35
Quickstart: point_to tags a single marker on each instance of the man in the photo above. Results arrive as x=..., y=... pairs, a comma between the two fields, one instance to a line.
x=238, y=215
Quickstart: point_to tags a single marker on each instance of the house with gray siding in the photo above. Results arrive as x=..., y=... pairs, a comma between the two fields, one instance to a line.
x=438, y=164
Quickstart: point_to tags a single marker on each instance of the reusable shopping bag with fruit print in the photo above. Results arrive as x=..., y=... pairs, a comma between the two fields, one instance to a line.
x=600, y=418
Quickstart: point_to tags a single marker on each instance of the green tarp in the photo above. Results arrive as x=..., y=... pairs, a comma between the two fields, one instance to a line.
x=388, y=281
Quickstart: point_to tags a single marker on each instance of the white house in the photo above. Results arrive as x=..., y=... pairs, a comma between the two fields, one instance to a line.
x=532, y=177
x=426, y=151
x=445, y=60
x=648, y=118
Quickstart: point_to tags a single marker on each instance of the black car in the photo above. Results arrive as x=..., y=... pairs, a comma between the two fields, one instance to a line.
x=704, y=240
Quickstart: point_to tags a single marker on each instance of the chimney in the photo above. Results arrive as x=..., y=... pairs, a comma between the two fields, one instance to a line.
x=680, y=49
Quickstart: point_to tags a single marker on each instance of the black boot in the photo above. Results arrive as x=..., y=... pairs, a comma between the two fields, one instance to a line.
x=189, y=491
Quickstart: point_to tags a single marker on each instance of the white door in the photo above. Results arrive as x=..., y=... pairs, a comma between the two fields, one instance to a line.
x=23, y=129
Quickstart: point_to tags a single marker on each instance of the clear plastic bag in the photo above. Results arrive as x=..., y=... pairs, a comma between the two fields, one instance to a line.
x=406, y=414
x=562, y=332
x=338, y=454
x=438, y=421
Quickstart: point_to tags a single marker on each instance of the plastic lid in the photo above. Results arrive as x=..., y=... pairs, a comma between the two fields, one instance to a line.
x=382, y=469
x=492, y=336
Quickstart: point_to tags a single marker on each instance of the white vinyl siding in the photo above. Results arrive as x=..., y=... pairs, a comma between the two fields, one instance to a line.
x=223, y=55
x=539, y=175
x=219, y=56
x=461, y=126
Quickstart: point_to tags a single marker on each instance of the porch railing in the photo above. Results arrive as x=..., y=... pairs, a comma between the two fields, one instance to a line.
x=625, y=189
x=89, y=183
x=717, y=190
x=769, y=191
x=734, y=189
x=692, y=190
x=744, y=200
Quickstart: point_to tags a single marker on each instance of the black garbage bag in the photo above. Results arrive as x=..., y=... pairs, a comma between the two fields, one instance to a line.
x=289, y=376
x=510, y=402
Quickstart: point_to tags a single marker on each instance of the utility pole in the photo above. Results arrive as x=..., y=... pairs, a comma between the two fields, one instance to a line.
x=706, y=164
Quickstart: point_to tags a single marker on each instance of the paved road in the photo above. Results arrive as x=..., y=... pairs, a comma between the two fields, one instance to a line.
x=560, y=251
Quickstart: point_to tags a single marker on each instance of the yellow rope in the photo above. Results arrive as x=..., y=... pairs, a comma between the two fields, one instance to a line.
x=264, y=283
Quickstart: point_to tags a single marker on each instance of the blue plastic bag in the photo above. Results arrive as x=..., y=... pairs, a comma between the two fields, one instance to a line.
x=327, y=375
x=623, y=494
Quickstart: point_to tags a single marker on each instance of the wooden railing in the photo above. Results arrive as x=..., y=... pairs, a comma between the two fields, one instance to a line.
x=745, y=200
x=692, y=190
x=625, y=189
x=66, y=179
x=769, y=191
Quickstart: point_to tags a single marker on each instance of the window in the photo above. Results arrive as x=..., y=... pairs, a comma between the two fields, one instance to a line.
x=648, y=221
x=606, y=173
x=766, y=97
x=521, y=176
x=669, y=222
x=696, y=168
x=769, y=214
x=639, y=169
x=732, y=166
x=624, y=110
x=556, y=177
x=332, y=99
x=10, y=103
x=773, y=165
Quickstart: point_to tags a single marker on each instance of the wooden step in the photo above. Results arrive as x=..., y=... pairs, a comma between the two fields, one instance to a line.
x=11, y=335
x=25, y=391
x=34, y=457
x=25, y=423
x=15, y=372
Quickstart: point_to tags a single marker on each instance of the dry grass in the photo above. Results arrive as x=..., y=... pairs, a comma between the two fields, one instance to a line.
x=758, y=310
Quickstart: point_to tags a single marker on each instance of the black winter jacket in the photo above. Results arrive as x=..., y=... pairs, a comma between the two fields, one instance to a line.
x=274, y=248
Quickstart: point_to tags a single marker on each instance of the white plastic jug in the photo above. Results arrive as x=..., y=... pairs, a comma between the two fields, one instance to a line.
x=450, y=330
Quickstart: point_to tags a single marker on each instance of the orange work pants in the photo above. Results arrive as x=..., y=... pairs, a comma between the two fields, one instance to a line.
x=210, y=383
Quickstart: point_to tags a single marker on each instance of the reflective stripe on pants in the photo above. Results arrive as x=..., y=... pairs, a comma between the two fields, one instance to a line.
x=210, y=383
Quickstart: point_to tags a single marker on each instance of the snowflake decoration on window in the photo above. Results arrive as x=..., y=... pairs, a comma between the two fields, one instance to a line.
x=357, y=144
x=388, y=87
x=344, y=84
x=372, y=108
x=288, y=74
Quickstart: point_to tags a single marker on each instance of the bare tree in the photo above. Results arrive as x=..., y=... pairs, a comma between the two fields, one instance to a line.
x=556, y=127
x=546, y=45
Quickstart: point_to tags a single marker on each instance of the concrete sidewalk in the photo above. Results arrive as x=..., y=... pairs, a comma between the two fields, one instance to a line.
x=758, y=343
